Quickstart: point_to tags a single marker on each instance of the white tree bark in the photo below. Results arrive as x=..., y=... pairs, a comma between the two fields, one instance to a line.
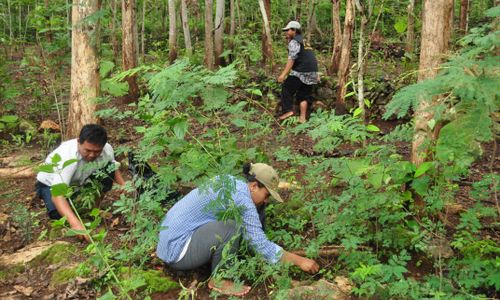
x=84, y=67
x=172, y=32
x=185, y=28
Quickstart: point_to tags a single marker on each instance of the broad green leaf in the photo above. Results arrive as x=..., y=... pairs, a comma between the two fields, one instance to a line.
x=401, y=26
x=349, y=94
x=56, y=158
x=372, y=128
x=368, y=103
x=114, y=88
x=423, y=168
x=69, y=162
x=60, y=189
x=105, y=68
x=9, y=119
x=73, y=232
x=47, y=168
x=180, y=128
x=357, y=112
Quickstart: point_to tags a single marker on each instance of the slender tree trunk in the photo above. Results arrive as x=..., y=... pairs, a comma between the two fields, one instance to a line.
x=238, y=14
x=410, y=30
x=361, y=63
x=209, y=41
x=310, y=17
x=267, y=43
x=219, y=31
x=114, y=39
x=185, y=28
x=11, y=34
x=48, y=33
x=172, y=32
x=232, y=28
x=464, y=16
x=143, y=50
x=84, y=67
x=345, y=57
x=164, y=11
x=337, y=38
x=435, y=37
x=129, y=54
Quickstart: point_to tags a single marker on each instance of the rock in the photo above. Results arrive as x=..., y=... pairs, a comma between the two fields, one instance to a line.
x=440, y=248
x=49, y=125
x=4, y=219
x=321, y=290
x=26, y=291
x=28, y=253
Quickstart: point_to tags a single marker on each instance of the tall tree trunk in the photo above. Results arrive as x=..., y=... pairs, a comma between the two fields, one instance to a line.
x=84, y=67
x=232, y=18
x=129, y=47
x=345, y=57
x=219, y=31
x=143, y=21
x=209, y=41
x=267, y=43
x=114, y=39
x=361, y=59
x=464, y=16
x=172, y=32
x=337, y=38
x=410, y=30
x=185, y=28
x=435, y=37
x=310, y=16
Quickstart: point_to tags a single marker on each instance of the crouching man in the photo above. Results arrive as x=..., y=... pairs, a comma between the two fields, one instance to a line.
x=191, y=234
x=88, y=157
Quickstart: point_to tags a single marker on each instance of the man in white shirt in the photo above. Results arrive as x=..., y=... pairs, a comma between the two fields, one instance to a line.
x=79, y=160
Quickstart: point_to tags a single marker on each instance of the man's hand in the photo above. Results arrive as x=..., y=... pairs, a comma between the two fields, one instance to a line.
x=281, y=78
x=308, y=265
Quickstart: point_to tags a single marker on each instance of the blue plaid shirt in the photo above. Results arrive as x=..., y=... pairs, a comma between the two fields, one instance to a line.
x=191, y=212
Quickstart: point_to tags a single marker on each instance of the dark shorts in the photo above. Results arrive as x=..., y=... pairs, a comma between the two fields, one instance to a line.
x=104, y=176
x=294, y=87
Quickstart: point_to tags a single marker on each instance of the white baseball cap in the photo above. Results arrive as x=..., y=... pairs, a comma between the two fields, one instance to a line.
x=292, y=25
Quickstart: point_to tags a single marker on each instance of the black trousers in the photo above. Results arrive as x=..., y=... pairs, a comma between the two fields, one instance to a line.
x=104, y=176
x=294, y=87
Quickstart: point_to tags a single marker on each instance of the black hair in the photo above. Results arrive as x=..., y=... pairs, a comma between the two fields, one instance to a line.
x=94, y=134
x=250, y=177
x=297, y=31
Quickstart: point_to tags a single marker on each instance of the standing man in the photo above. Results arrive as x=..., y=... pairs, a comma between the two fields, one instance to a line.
x=304, y=73
x=80, y=160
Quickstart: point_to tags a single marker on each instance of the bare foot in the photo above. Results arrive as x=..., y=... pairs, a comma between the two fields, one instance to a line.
x=286, y=115
x=227, y=287
x=302, y=120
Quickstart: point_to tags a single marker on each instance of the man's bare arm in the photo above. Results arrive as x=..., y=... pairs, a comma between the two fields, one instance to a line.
x=64, y=209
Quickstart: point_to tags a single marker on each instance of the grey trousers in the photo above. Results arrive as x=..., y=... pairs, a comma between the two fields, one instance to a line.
x=207, y=243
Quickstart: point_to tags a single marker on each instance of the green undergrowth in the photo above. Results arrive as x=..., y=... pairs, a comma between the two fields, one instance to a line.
x=63, y=275
x=150, y=281
x=383, y=212
x=10, y=271
x=56, y=254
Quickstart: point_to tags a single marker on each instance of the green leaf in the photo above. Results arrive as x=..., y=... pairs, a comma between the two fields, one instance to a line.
x=56, y=158
x=423, y=168
x=368, y=103
x=69, y=162
x=73, y=232
x=114, y=88
x=357, y=112
x=180, y=128
x=47, y=168
x=9, y=119
x=349, y=94
x=372, y=128
x=60, y=189
x=214, y=97
x=401, y=26
x=254, y=92
x=105, y=68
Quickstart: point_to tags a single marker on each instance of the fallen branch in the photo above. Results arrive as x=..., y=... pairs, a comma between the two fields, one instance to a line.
x=327, y=251
x=17, y=172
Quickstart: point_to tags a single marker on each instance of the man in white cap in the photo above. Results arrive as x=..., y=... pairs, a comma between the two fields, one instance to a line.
x=198, y=227
x=303, y=69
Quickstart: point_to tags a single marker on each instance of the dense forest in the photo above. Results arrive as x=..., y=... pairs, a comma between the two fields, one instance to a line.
x=389, y=184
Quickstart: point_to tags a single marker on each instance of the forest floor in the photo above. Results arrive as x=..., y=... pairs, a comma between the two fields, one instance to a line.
x=36, y=281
